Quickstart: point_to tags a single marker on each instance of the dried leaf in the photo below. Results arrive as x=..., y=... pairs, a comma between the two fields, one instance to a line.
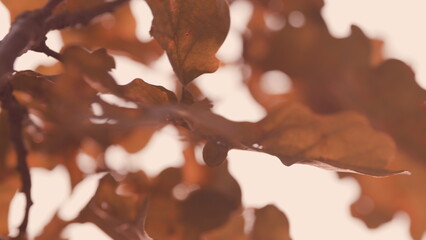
x=206, y=209
x=115, y=31
x=118, y=215
x=233, y=229
x=95, y=66
x=141, y=93
x=170, y=218
x=218, y=179
x=163, y=220
x=348, y=74
x=53, y=230
x=343, y=142
x=270, y=224
x=136, y=139
x=191, y=31
x=381, y=199
x=9, y=185
x=164, y=214
x=17, y=7
x=4, y=139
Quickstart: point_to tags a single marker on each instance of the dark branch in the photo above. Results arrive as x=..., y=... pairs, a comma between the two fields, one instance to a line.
x=43, y=48
x=51, y=5
x=84, y=17
x=17, y=114
x=28, y=32
x=30, y=28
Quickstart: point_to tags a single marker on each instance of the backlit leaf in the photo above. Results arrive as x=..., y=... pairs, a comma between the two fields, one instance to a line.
x=53, y=230
x=17, y=7
x=347, y=74
x=4, y=139
x=191, y=32
x=9, y=185
x=270, y=224
x=344, y=142
x=233, y=229
x=377, y=202
x=115, y=31
x=141, y=92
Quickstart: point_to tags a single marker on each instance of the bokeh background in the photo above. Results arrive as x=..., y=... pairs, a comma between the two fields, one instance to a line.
x=315, y=200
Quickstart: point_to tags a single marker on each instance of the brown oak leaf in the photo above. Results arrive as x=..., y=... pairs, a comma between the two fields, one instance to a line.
x=271, y=224
x=191, y=32
x=332, y=75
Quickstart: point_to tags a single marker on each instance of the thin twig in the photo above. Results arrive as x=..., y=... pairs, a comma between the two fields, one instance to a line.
x=25, y=32
x=17, y=114
x=43, y=48
x=84, y=17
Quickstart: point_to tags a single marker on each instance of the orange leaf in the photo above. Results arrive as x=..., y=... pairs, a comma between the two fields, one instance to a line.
x=233, y=229
x=191, y=31
x=349, y=74
x=270, y=224
x=116, y=32
x=343, y=142
x=117, y=214
x=141, y=92
x=9, y=185
x=53, y=230
x=380, y=199
x=95, y=65
x=4, y=139
x=17, y=7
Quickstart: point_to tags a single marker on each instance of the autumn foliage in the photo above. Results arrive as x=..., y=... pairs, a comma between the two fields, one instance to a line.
x=348, y=110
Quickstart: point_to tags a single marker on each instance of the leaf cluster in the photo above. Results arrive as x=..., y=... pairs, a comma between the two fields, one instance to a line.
x=349, y=110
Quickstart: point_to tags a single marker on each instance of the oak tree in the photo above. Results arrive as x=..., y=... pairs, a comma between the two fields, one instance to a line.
x=349, y=110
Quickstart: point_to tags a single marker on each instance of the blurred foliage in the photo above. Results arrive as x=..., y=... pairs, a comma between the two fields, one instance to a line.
x=349, y=110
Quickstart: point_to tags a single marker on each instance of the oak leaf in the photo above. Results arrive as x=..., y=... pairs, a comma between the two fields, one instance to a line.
x=9, y=185
x=347, y=74
x=344, y=142
x=140, y=92
x=116, y=32
x=4, y=139
x=118, y=214
x=53, y=230
x=380, y=200
x=191, y=32
x=270, y=224
x=233, y=229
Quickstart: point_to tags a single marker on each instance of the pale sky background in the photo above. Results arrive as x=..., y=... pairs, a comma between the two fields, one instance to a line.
x=314, y=200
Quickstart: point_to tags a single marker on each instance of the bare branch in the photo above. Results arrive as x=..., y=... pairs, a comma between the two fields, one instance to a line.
x=66, y=19
x=28, y=32
x=17, y=114
x=51, y=5
x=43, y=48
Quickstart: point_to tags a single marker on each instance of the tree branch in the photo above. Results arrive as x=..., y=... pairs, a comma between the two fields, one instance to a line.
x=51, y=5
x=28, y=32
x=84, y=17
x=43, y=48
x=17, y=114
